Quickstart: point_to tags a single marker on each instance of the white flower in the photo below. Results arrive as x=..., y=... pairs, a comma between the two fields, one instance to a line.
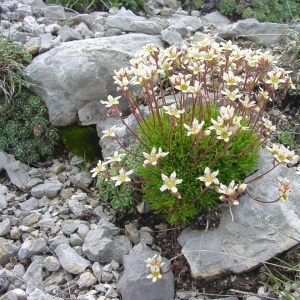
x=196, y=127
x=227, y=113
x=285, y=188
x=109, y=132
x=173, y=111
x=196, y=88
x=111, y=101
x=247, y=103
x=217, y=125
x=224, y=133
x=155, y=273
x=155, y=261
x=170, y=182
x=100, y=168
x=152, y=158
x=232, y=95
x=282, y=154
x=196, y=67
x=275, y=78
x=228, y=45
x=209, y=177
x=227, y=190
x=161, y=154
x=115, y=158
x=231, y=79
x=184, y=86
x=268, y=124
x=122, y=177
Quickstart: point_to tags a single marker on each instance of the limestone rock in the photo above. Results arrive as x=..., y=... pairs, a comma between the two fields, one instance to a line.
x=134, y=285
x=33, y=276
x=70, y=260
x=100, y=246
x=32, y=247
x=81, y=72
x=49, y=189
x=259, y=231
x=266, y=34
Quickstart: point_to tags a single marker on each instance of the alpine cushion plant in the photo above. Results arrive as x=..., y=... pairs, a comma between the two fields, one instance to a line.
x=202, y=127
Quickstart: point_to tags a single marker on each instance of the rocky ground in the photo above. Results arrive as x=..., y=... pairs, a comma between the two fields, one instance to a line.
x=59, y=240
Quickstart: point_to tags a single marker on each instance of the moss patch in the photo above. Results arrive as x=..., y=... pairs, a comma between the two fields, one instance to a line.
x=83, y=141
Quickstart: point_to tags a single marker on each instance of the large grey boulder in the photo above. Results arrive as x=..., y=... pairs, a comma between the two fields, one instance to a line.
x=134, y=284
x=75, y=73
x=257, y=232
x=266, y=34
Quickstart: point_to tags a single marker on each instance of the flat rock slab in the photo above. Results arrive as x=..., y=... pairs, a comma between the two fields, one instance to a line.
x=257, y=232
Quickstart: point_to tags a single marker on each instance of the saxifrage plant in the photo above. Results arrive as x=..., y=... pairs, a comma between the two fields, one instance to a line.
x=198, y=139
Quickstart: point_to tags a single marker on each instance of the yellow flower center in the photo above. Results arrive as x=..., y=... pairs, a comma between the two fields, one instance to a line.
x=194, y=130
x=122, y=177
x=155, y=273
x=171, y=183
x=231, y=81
x=275, y=80
x=209, y=178
x=224, y=135
x=152, y=158
x=281, y=157
x=184, y=87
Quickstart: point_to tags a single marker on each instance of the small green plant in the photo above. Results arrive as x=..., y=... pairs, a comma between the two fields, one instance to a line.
x=120, y=196
x=193, y=4
x=195, y=146
x=230, y=8
x=24, y=128
x=82, y=141
x=13, y=58
x=287, y=139
x=277, y=11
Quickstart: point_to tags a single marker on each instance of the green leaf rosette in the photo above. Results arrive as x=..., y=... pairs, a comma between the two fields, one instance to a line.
x=30, y=145
x=42, y=111
x=52, y=134
x=35, y=101
x=4, y=143
x=38, y=125
x=17, y=115
x=19, y=152
x=34, y=158
x=24, y=133
x=20, y=102
x=47, y=150
x=14, y=141
x=27, y=112
x=11, y=128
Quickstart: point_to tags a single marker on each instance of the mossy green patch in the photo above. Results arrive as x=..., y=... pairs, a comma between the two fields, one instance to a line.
x=83, y=141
